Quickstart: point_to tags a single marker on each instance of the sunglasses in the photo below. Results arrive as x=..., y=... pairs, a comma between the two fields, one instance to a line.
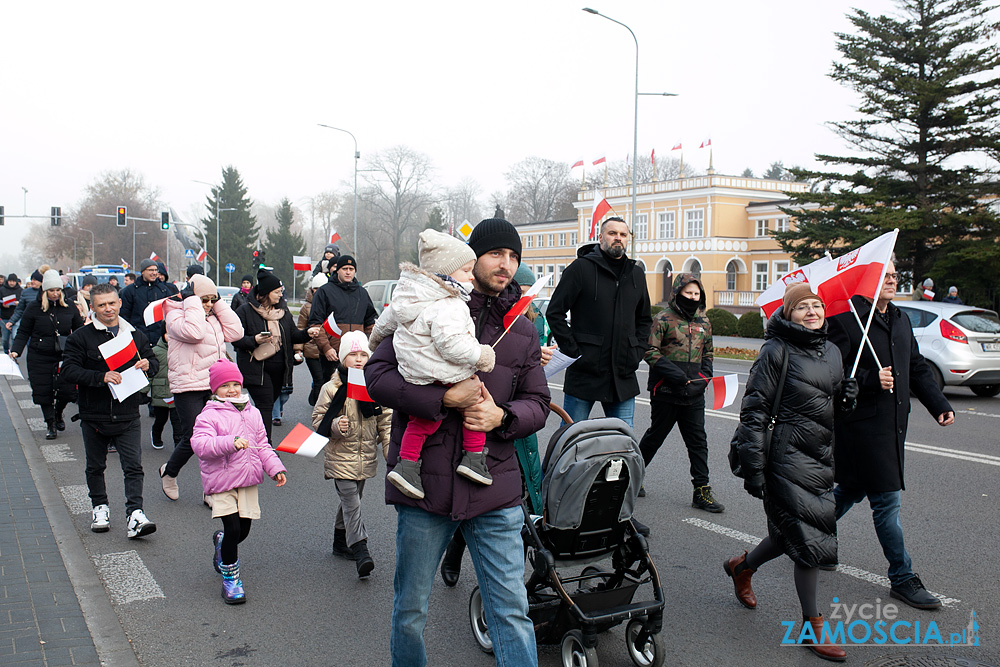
x=210, y=299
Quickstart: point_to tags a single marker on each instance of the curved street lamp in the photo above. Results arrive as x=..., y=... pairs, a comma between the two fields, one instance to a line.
x=357, y=155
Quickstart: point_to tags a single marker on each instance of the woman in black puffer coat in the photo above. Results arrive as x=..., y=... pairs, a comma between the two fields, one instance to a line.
x=47, y=321
x=793, y=473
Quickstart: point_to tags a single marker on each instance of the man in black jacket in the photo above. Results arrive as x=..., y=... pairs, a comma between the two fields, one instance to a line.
x=144, y=291
x=869, y=443
x=605, y=293
x=104, y=419
x=10, y=292
x=352, y=308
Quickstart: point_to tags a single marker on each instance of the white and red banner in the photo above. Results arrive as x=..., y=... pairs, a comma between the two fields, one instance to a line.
x=169, y=400
x=601, y=209
x=153, y=312
x=860, y=271
x=522, y=303
x=9, y=300
x=153, y=256
x=928, y=295
x=652, y=156
x=677, y=146
x=357, y=388
x=334, y=236
x=724, y=388
x=770, y=299
x=578, y=163
x=331, y=327
x=599, y=161
x=119, y=350
x=706, y=143
x=302, y=263
x=302, y=441
x=202, y=255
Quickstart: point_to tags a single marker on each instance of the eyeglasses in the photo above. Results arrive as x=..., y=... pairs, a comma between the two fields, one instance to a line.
x=210, y=299
x=892, y=277
x=804, y=308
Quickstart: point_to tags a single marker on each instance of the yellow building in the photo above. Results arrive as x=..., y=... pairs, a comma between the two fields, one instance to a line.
x=714, y=225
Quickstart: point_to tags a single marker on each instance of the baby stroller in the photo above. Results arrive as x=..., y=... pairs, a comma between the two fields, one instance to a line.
x=592, y=473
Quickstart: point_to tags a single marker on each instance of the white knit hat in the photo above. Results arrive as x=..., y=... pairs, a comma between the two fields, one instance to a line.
x=353, y=341
x=441, y=253
x=319, y=280
x=52, y=280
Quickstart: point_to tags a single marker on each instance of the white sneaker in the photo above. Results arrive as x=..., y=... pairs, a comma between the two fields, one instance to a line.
x=102, y=519
x=139, y=525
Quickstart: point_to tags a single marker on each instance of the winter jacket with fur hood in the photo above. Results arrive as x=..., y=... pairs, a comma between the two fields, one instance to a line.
x=197, y=340
x=223, y=467
x=435, y=339
x=352, y=455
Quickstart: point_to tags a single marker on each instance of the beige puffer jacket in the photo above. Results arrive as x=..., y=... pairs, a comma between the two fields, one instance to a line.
x=355, y=454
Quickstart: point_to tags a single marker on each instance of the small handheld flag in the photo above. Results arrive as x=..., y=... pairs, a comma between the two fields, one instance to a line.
x=522, y=304
x=302, y=263
x=725, y=388
x=119, y=350
x=153, y=312
x=153, y=256
x=9, y=300
x=302, y=441
x=330, y=326
x=202, y=255
x=357, y=388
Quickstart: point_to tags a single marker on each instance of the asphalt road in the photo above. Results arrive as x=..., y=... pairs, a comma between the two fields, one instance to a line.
x=306, y=607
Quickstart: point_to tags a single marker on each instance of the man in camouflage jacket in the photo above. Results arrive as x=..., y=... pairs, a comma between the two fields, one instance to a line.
x=680, y=366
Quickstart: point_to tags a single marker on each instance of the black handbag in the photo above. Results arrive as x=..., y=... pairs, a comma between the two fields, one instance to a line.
x=734, y=455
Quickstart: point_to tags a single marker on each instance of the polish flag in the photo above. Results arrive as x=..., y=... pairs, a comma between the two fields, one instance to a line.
x=770, y=299
x=357, y=388
x=169, y=400
x=598, y=161
x=302, y=263
x=676, y=147
x=9, y=300
x=929, y=295
x=652, y=156
x=302, y=441
x=859, y=272
x=334, y=236
x=578, y=163
x=153, y=312
x=724, y=388
x=706, y=143
x=330, y=326
x=600, y=210
x=153, y=257
x=202, y=255
x=522, y=303
x=119, y=351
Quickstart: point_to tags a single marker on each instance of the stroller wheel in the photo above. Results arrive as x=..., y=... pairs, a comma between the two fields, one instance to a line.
x=478, y=620
x=575, y=654
x=649, y=653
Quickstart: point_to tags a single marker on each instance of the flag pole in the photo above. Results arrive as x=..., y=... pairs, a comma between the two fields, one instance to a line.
x=871, y=315
x=871, y=348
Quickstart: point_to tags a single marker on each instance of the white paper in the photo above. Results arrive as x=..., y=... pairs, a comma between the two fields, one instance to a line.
x=9, y=367
x=133, y=380
x=558, y=362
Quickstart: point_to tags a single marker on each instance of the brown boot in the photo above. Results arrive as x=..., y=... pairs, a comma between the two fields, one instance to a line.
x=736, y=567
x=822, y=647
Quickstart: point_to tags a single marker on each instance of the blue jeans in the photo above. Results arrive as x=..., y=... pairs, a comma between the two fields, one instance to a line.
x=497, y=552
x=279, y=402
x=885, y=513
x=579, y=409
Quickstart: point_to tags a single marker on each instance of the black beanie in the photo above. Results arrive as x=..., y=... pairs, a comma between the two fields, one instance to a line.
x=346, y=260
x=88, y=280
x=36, y=275
x=267, y=282
x=247, y=278
x=493, y=233
x=195, y=269
x=13, y=277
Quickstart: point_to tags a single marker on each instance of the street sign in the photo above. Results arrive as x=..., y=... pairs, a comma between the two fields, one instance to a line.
x=465, y=229
x=189, y=253
x=230, y=267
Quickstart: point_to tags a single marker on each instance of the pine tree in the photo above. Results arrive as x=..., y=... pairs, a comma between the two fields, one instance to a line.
x=238, y=229
x=928, y=85
x=281, y=245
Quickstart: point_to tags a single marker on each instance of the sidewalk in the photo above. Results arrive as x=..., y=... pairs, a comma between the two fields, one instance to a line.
x=45, y=571
x=736, y=341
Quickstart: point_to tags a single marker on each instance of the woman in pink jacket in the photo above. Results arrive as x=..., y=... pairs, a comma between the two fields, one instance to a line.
x=199, y=328
x=232, y=449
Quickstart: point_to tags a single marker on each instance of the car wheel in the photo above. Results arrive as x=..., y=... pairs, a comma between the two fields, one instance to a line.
x=986, y=390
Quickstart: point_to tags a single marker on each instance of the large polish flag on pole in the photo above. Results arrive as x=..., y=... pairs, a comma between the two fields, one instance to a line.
x=334, y=236
x=119, y=350
x=770, y=299
x=600, y=210
x=302, y=263
x=522, y=303
x=357, y=388
x=860, y=271
x=302, y=441
x=202, y=255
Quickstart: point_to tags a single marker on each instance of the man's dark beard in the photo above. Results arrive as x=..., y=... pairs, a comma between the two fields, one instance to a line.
x=616, y=252
x=484, y=282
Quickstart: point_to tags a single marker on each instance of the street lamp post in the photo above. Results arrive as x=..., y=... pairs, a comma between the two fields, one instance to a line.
x=93, y=244
x=357, y=156
x=217, y=227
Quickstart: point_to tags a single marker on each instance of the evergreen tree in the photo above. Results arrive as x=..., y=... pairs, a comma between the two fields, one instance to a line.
x=281, y=245
x=238, y=229
x=928, y=85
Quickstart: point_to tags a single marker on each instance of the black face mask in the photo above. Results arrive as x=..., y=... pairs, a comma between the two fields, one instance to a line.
x=687, y=306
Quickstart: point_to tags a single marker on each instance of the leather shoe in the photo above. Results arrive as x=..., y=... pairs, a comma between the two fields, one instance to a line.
x=451, y=564
x=822, y=646
x=736, y=568
x=913, y=593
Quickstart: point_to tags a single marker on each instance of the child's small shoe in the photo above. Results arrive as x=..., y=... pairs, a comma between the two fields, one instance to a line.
x=473, y=466
x=406, y=477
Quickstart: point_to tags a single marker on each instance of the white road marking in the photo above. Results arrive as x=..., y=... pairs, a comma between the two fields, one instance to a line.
x=126, y=577
x=27, y=404
x=57, y=454
x=20, y=388
x=978, y=413
x=35, y=423
x=855, y=572
x=77, y=498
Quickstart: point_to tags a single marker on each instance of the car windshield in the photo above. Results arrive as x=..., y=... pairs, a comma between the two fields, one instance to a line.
x=980, y=321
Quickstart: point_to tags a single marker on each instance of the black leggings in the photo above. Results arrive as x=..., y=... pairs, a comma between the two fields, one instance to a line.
x=235, y=529
x=805, y=577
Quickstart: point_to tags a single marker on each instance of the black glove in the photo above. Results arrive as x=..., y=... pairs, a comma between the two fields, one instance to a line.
x=755, y=486
x=849, y=395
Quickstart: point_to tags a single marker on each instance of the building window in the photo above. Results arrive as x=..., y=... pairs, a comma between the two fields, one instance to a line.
x=541, y=240
x=666, y=226
x=572, y=239
x=551, y=240
x=695, y=223
x=760, y=276
x=780, y=270
x=549, y=269
x=562, y=240
x=781, y=224
x=731, y=271
x=642, y=227
x=761, y=228
x=529, y=241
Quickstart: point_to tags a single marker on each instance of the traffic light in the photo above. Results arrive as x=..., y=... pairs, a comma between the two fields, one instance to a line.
x=165, y=220
x=122, y=214
x=256, y=259
x=1, y=216
x=55, y=213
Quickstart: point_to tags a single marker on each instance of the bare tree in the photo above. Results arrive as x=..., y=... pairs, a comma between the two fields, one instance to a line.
x=540, y=189
x=462, y=203
x=323, y=210
x=618, y=173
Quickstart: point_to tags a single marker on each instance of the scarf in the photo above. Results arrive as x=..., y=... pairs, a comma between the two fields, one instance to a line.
x=337, y=404
x=272, y=317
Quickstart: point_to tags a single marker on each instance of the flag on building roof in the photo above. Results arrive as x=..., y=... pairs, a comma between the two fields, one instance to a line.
x=302, y=263
x=119, y=351
x=578, y=163
x=522, y=303
x=598, y=161
x=677, y=146
x=302, y=441
x=357, y=388
x=706, y=143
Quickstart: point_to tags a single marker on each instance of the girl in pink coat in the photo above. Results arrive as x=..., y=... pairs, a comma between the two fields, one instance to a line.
x=232, y=449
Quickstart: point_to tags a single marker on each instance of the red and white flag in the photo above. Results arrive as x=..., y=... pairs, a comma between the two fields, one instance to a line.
x=119, y=350
x=302, y=263
x=153, y=312
x=357, y=388
x=169, y=400
x=706, y=143
x=578, y=163
x=770, y=299
x=724, y=388
x=599, y=161
x=331, y=327
x=652, y=156
x=9, y=300
x=302, y=441
x=154, y=257
x=929, y=295
x=860, y=272
x=677, y=146
x=202, y=255
x=334, y=236
x=600, y=210
x=522, y=303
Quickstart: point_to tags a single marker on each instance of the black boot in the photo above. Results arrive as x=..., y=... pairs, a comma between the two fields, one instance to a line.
x=50, y=433
x=364, y=563
x=60, y=424
x=340, y=547
x=49, y=414
x=451, y=564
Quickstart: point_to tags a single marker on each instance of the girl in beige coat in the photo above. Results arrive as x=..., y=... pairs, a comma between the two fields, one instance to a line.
x=356, y=430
